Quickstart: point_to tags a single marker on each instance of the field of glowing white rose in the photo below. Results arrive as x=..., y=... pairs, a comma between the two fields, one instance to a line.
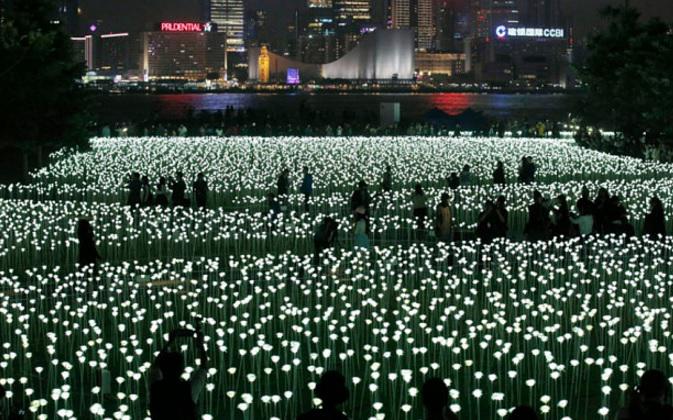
x=565, y=326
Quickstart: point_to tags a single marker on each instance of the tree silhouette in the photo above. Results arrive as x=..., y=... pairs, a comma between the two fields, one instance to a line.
x=42, y=103
x=628, y=76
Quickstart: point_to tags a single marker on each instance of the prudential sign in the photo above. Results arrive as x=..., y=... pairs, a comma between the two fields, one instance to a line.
x=503, y=32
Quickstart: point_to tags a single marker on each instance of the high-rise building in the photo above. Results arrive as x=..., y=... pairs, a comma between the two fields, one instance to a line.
x=317, y=35
x=417, y=15
x=352, y=13
x=425, y=25
x=401, y=14
x=319, y=3
x=228, y=15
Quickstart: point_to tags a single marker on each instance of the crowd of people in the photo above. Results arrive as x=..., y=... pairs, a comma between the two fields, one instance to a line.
x=171, y=191
x=173, y=397
x=310, y=122
x=547, y=218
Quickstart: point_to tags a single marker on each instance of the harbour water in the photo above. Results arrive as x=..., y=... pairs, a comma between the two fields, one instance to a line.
x=413, y=105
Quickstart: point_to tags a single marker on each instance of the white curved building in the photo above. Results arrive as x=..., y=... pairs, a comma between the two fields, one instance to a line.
x=380, y=55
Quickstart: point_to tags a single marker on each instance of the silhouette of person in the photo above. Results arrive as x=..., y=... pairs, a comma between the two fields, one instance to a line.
x=134, y=186
x=650, y=400
x=162, y=193
x=307, y=187
x=435, y=396
x=171, y=397
x=325, y=237
x=485, y=223
x=179, y=187
x=562, y=225
x=146, y=192
x=361, y=228
x=283, y=183
x=655, y=221
x=88, y=254
x=523, y=412
x=420, y=207
x=601, y=205
x=332, y=391
x=465, y=176
x=200, y=188
x=501, y=219
x=387, y=183
x=443, y=219
x=360, y=197
x=499, y=174
x=537, y=228
x=584, y=204
x=454, y=181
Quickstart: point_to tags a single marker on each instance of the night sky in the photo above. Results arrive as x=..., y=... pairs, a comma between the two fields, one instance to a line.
x=132, y=15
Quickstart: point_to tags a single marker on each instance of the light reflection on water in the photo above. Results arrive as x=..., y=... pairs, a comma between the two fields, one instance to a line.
x=413, y=105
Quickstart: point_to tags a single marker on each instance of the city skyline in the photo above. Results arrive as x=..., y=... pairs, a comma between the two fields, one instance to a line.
x=124, y=15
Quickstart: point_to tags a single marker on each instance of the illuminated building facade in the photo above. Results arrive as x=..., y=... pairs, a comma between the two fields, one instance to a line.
x=382, y=55
x=229, y=17
x=84, y=50
x=184, y=55
x=417, y=15
x=352, y=13
x=319, y=3
x=446, y=64
x=317, y=40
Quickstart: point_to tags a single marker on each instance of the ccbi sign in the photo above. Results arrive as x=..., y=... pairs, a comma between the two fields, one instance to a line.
x=503, y=32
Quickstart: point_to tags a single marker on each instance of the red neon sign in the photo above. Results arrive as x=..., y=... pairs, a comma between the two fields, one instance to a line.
x=181, y=27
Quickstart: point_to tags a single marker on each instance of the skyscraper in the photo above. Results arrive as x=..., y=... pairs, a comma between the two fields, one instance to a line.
x=425, y=25
x=352, y=13
x=417, y=15
x=319, y=3
x=401, y=14
x=229, y=17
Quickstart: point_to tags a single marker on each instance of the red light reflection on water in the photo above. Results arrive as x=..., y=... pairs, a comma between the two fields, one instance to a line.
x=452, y=103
